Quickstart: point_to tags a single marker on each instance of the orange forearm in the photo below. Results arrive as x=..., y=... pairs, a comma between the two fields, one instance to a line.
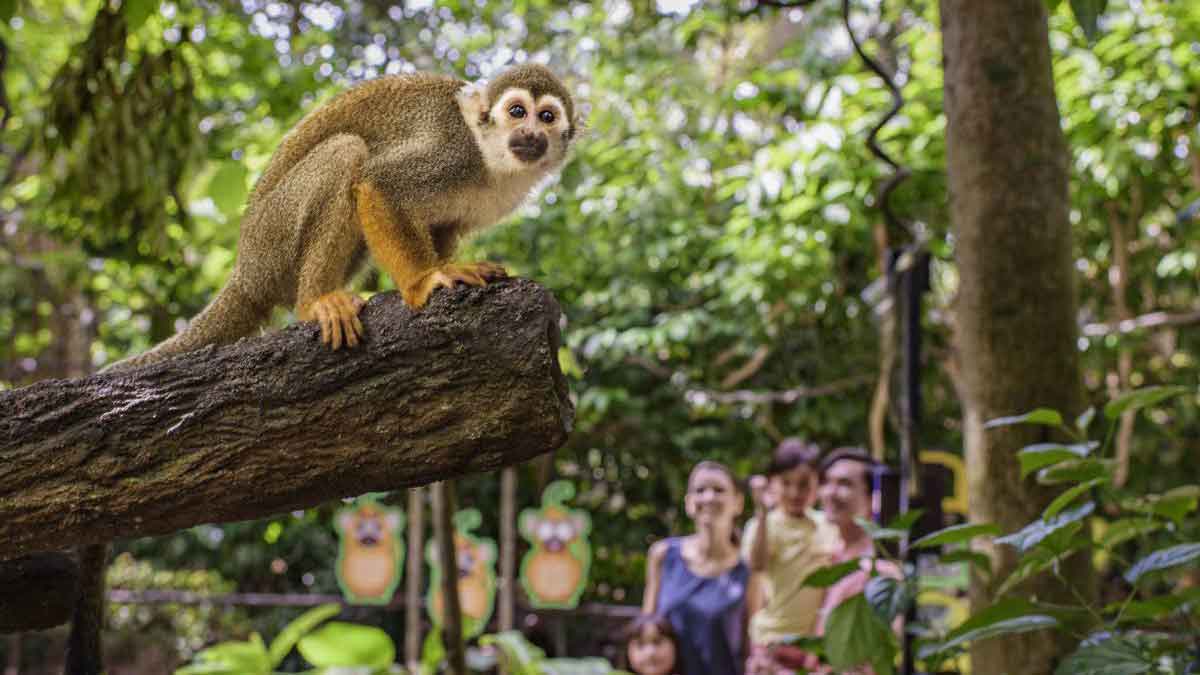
x=400, y=246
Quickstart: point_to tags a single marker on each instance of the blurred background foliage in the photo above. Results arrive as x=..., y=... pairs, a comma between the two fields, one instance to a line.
x=712, y=243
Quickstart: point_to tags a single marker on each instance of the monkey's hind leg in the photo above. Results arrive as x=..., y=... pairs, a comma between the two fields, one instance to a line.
x=332, y=241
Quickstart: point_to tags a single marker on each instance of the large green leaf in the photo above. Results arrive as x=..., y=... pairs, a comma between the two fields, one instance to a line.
x=1076, y=471
x=1163, y=559
x=1063, y=500
x=227, y=188
x=905, y=521
x=297, y=628
x=1152, y=608
x=1141, y=398
x=957, y=534
x=1115, y=656
x=1042, y=416
x=246, y=658
x=1173, y=504
x=1009, y=616
x=855, y=635
x=347, y=644
x=1040, y=455
x=1121, y=531
x=1033, y=534
x=889, y=597
x=829, y=575
x=137, y=11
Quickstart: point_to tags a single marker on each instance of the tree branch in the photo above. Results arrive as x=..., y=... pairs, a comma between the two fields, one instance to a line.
x=1151, y=320
x=278, y=423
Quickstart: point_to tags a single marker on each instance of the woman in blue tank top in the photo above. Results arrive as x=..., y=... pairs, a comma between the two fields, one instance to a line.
x=699, y=582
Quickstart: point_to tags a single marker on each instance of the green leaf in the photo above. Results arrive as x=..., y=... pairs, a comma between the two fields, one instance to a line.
x=137, y=11
x=1087, y=13
x=1115, y=656
x=1173, y=504
x=1035, y=562
x=889, y=597
x=1041, y=455
x=1043, y=416
x=975, y=558
x=1032, y=534
x=1121, y=531
x=347, y=644
x=1007, y=617
x=1070, y=495
x=1076, y=471
x=956, y=534
x=249, y=657
x=227, y=188
x=831, y=574
x=1141, y=398
x=1153, y=608
x=8, y=9
x=1161, y=560
x=298, y=627
x=855, y=635
x=905, y=521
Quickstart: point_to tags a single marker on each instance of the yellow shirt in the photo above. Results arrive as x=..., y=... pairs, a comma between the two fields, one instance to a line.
x=796, y=547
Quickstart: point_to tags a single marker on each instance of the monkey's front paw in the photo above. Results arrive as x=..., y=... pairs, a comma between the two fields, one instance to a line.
x=337, y=312
x=446, y=276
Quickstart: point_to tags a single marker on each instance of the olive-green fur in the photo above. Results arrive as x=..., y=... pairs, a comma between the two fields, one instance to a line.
x=300, y=234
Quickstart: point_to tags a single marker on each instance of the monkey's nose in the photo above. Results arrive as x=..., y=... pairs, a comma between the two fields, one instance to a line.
x=529, y=147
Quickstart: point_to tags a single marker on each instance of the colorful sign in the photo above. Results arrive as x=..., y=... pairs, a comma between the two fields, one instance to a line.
x=476, y=559
x=370, y=553
x=554, y=572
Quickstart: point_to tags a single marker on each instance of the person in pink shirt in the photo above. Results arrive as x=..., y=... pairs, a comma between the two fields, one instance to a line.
x=845, y=495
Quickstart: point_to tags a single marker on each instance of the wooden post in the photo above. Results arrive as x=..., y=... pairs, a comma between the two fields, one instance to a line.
x=443, y=533
x=412, y=590
x=508, y=546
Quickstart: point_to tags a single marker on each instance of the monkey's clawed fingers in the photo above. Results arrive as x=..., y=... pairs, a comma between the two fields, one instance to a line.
x=447, y=276
x=337, y=312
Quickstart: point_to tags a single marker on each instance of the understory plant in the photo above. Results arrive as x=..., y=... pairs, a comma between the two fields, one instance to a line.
x=1153, y=628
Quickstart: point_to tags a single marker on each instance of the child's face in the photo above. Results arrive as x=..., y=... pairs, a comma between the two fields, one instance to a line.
x=651, y=653
x=797, y=489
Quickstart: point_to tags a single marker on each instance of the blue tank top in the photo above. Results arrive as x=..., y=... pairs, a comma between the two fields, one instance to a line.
x=708, y=614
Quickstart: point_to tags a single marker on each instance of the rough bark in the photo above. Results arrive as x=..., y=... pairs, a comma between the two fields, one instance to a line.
x=1016, y=306
x=277, y=423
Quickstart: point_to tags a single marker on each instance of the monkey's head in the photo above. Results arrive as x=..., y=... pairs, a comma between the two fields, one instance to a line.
x=524, y=120
x=554, y=529
x=368, y=527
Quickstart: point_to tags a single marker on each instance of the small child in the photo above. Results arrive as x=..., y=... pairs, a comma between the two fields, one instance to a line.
x=651, y=645
x=785, y=542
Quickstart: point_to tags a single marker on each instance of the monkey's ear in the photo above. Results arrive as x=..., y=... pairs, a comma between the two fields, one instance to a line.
x=472, y=98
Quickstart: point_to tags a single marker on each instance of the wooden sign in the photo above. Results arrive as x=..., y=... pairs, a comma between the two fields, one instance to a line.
x=370, y=552
x=476, y=572
x=554, y=572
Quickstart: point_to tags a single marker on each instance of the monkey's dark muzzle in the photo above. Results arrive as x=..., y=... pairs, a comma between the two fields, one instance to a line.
x=529, y=148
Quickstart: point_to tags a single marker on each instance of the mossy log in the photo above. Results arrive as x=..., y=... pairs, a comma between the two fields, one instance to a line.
x=280, y=422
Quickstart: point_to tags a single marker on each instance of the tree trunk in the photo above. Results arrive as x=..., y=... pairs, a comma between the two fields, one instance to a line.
x=278, y=423
x=1016, y=308
x=508, y=546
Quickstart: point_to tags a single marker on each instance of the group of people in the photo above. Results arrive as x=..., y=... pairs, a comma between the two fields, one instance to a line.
x=723, y=601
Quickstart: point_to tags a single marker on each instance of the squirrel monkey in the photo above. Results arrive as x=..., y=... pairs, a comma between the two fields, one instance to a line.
x=402, y=167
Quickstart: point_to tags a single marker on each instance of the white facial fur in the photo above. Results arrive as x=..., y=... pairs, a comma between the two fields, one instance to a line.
x=511, y=179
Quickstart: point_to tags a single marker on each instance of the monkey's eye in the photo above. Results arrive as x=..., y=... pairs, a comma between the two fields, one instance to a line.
x=517, y=111
x=546, y=116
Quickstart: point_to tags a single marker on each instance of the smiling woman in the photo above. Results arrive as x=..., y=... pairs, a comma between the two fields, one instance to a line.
x=699, y=582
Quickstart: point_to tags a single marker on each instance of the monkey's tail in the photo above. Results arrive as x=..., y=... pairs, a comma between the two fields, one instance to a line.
x=232, y=315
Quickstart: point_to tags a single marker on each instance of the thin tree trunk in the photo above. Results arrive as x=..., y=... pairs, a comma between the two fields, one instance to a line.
x=1016, y=308
x=508, y=546
x=443, y=533
x=412, y=588
x=1118, y=278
